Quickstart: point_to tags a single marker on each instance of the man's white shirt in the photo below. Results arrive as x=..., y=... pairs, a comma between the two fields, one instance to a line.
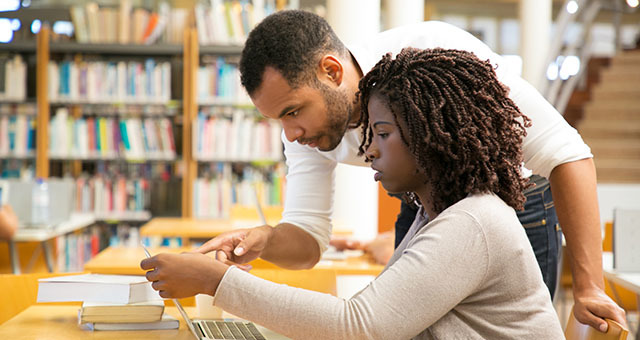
x=550, y=141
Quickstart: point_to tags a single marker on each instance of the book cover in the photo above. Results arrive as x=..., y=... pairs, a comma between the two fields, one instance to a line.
x=167, y=322
x=124, y=12
x=104, y=312
x=97, y=288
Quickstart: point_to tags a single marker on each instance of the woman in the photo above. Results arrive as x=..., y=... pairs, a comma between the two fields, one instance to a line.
x=438, y=125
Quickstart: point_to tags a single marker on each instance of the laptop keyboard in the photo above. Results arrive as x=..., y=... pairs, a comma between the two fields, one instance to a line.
x=231, y=330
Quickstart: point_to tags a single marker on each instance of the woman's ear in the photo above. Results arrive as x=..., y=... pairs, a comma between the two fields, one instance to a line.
x=330, y=70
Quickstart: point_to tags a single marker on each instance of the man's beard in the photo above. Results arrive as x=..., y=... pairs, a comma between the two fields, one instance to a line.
x=339, y=113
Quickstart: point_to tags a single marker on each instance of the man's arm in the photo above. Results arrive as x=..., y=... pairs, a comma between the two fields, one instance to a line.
x=573, y=186
x=284, y=245
x=291, y=247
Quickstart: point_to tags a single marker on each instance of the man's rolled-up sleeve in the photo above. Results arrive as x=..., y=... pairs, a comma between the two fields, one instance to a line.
x=309, y=192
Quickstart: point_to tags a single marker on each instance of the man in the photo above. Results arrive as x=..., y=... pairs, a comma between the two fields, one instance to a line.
x=296, y=70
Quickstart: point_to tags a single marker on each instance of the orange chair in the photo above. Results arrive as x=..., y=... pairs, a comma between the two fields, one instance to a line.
x=20, y=291
x=577, y=331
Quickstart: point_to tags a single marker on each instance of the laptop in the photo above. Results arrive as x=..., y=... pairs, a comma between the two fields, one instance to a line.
x=226, y=329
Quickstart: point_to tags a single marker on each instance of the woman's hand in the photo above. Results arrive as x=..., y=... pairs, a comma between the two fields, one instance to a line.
x=184, y=275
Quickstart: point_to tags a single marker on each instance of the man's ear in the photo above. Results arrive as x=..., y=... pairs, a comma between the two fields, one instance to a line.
x=330, y=70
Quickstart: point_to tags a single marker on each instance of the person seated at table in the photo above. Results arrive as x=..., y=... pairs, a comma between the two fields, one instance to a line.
x=8, y=222
x=380, y=248
x=438, y=125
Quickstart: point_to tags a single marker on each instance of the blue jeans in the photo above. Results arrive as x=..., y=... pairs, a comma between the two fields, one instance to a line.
x=540, y=223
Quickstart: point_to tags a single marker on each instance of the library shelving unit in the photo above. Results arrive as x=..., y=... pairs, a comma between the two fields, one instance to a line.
x=233, y=157
x=116, y=122
x=187, y=159
x=17, y=109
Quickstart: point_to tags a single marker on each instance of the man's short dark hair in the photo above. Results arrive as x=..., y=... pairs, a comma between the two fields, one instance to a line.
x=289, y=41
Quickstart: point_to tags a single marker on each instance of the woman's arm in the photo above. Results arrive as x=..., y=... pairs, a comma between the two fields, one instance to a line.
x=423, y=285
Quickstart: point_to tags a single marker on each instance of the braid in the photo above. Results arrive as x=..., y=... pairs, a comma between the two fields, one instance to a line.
x=463, y=130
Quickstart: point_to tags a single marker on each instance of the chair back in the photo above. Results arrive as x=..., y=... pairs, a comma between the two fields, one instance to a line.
x=578, y=331
x=19, y=292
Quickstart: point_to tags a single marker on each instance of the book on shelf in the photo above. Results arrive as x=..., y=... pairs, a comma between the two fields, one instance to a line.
x=110, y=137
x=107, y=82
x=157, y=24
x=13, y=75
x=124, y=24
x=75, y=249
x=97, y=288
x=106, y=312
x=229, y=21
x=104, y=194
x=215, y=194
x=237, y=138
x=166, y=322
x=17, y=135
x=218, y=82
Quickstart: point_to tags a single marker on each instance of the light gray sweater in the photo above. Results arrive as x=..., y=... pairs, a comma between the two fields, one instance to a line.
x=468, y=274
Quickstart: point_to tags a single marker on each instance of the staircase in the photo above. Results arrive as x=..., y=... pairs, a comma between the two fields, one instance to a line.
x=611, y=120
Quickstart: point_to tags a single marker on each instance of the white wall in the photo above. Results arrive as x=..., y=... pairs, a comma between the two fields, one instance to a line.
x=354, y=20
x=356, y=193
x=356, y=201
x=611, y=196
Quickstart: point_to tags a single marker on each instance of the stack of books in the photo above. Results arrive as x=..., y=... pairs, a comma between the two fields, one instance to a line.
x=131, y=316
x=110, y=302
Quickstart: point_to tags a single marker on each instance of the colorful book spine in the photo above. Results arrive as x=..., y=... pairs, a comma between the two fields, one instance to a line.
x=105, y=195
x=106, y=82
x=239, y=137
x=218, y=83
x=221, y=187
x=101, y=137
x=17, y=136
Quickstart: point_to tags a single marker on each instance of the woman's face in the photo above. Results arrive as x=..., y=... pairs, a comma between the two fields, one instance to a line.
x=396, y=167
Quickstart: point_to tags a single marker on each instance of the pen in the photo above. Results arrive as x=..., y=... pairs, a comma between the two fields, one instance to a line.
x=263, y=219
x=175, y=301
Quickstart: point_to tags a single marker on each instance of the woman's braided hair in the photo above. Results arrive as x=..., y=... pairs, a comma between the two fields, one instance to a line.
x=457, y=120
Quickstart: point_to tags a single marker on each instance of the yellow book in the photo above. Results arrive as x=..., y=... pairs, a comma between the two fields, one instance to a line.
x=106, y=312
x=167, y=322
x=103, y=137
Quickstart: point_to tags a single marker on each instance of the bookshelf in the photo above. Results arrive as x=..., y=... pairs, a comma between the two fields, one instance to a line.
x=17, y=111
x=112, y=122
x=189, y=114
x=235, y=155
x=176, y=176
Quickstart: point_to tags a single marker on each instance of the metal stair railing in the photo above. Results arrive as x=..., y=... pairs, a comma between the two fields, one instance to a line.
x=558, y=91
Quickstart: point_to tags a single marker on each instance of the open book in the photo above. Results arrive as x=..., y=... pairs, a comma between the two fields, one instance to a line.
x=96, y=288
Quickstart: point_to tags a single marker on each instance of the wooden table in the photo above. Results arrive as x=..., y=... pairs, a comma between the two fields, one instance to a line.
x=123, y=260
x=45, y=233
x=188, y=229
x=321, y=278
x=53, y=322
